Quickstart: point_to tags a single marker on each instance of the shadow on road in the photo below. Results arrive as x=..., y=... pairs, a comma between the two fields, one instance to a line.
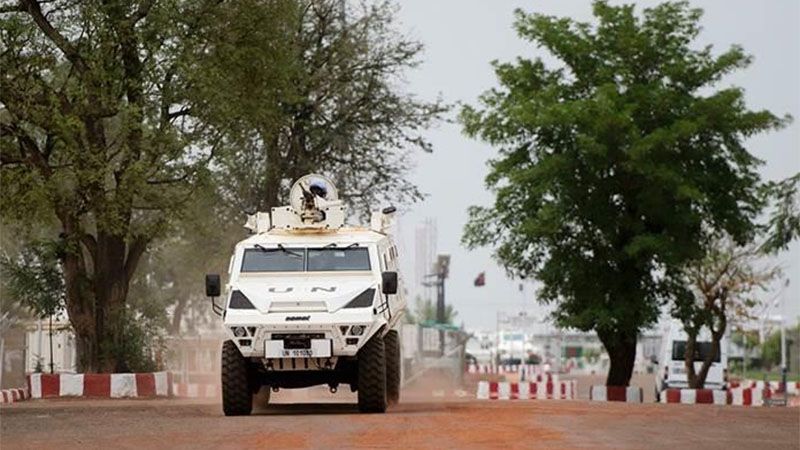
x=297, y=409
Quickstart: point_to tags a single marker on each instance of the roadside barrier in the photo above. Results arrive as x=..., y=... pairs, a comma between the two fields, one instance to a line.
x=694, y=396
x=492, y=369
x=629, y=394
x=14, y=395
x=533, y=390
x=745, y=396
x=103, y=385
x=792, y=387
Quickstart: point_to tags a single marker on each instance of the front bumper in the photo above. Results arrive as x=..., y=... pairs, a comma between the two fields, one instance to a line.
x=338, y=327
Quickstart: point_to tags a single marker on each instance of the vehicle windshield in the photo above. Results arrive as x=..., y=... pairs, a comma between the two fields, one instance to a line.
x=322, y=259
x=273, y=260
x=285, y=259
x=701, y=350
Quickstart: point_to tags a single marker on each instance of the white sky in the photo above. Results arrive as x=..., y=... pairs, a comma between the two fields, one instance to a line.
x=461, y=37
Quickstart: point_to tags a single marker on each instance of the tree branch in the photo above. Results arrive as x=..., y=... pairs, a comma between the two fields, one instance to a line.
x=35, y=10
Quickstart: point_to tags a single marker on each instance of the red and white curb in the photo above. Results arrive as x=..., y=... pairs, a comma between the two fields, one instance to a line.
x=493, y=390
x=195, y=390
x=111, y=385
x=629, y=394
x=792, y=387
x=14, y=395
x=743, y=396
x=491, y=369
x=695, y=396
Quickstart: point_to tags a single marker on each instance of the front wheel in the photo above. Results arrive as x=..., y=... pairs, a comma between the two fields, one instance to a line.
x=392, y=343
x=237, y=393
x=372, y=376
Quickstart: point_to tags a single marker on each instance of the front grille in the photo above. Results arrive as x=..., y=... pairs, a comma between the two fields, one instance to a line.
x=283, y=336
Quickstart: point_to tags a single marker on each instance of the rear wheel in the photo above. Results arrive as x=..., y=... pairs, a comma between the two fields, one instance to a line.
x=237, y=392
x=372, y=376
x=392, y=344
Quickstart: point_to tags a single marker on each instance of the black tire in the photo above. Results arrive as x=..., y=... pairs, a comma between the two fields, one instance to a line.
x=392, y=344
x=372, y=376
x=237, y=392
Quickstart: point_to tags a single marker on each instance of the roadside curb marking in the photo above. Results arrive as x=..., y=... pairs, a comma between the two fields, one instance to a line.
x=533, y=390
x=629, y=394
x=103, y=385
x=14, y=395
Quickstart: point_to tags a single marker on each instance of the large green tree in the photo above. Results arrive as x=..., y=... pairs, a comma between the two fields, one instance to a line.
x=615, y=164
x=97, y=137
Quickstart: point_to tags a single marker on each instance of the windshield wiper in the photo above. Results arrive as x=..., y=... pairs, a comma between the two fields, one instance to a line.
x=354, y=244
x=280, y=247
x=332, y=244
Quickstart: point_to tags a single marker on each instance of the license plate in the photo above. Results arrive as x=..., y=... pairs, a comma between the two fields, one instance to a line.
x=278, y=348
x=297, y=353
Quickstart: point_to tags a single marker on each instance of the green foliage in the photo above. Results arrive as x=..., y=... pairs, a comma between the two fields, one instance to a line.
x=34, y=278
x=96, y=137
x=425, y=313
x=784, y=221
x=140, y=346
x=771, y=347
x=316, y=89
x=615, y=165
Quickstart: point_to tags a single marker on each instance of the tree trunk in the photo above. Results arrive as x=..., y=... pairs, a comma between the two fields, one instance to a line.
x=96, y=297
x=177, y=316
x=621, y=348
x=688, y=361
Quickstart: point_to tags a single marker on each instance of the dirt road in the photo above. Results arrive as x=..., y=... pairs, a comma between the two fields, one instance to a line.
x=178, y=424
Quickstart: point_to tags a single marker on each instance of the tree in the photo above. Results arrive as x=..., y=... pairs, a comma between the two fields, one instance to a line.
x=425, y=313
x=96, y=136
x=336, y=108
x=34, y=279
x=614, y=165
x=724, y=287
x=784, y=221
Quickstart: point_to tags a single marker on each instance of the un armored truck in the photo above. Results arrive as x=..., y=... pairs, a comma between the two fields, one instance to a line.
x=310, y=301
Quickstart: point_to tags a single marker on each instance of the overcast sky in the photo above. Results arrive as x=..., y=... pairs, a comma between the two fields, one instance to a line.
x=461, y=37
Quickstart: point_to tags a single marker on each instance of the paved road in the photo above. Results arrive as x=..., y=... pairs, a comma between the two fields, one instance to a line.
x=178, y=424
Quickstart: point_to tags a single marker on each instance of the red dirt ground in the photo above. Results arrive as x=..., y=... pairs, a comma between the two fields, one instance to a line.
x=463, y=424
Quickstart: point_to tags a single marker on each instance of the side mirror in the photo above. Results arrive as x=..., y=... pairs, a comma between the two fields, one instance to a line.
x=212, y=285
x=389, y=286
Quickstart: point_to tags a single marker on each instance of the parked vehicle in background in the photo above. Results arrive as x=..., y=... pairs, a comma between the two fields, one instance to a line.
x=672, y=365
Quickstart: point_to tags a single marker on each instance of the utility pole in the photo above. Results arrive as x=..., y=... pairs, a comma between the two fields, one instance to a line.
x=783, y=340
x=441, y=272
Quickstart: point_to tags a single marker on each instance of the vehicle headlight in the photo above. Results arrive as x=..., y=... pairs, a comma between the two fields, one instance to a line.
x=239, y=332
x=362, y=300
x=357, y=330
x=239, y=301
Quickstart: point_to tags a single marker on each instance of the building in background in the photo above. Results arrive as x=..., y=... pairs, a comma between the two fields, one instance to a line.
x=425, y=235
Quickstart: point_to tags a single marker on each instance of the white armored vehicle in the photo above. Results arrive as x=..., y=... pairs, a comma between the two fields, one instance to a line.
x=310, y=301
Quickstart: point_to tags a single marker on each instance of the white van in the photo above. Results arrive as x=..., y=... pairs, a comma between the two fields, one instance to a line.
x=671, y=371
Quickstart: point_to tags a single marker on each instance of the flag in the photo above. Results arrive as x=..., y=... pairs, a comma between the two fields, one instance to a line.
x=480, y=280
